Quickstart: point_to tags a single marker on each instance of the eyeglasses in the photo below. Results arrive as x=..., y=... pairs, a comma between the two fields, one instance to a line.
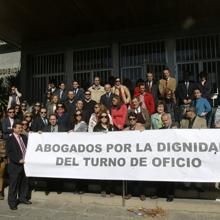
x=43, y=112
x=104, y=116
x=132, y=119
x=26, y=116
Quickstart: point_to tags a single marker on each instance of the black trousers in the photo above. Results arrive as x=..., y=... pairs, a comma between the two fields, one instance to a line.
x=136, y=188
x=18, y=185
x=164, y=188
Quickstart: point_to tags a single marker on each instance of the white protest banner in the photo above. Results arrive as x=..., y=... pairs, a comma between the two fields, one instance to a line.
x=155, y=155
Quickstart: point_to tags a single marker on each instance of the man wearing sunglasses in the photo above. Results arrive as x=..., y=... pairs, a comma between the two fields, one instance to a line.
x=41, y=121
x=133, y=124
x=134, y=187
x=88, y=105
x=8, y=122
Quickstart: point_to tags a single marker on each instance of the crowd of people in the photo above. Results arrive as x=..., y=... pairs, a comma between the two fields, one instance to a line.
x=69, y=108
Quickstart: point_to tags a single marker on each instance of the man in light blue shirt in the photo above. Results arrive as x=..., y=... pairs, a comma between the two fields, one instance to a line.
x=201, y=104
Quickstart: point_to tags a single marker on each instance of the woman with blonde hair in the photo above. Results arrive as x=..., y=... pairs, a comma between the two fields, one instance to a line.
x=98, y=109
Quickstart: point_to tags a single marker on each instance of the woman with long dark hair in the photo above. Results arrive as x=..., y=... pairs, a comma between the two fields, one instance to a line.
x=79, y=125
x=103, y=123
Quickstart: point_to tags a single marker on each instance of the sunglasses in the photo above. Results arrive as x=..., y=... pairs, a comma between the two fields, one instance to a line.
x=26, y=116
x=23, y=105
x=43, y=112
x=132, y=119
x=104, y=116
x=11, y=112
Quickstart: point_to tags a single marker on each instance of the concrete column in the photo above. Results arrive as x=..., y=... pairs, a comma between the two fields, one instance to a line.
x=24, y=77
x=170, y=46
x=69, y=67
x=115, y=59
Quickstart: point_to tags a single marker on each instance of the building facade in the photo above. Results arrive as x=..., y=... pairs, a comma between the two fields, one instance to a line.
x=128, y=59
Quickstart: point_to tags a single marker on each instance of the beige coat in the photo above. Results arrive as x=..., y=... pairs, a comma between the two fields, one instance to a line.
x=198, y=123
x=167, y=88
x=125, y=93
x=96, y=93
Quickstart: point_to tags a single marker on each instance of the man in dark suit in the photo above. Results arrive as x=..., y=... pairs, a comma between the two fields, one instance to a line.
x=168, y=187
x=8, y=122
x=18, y=182
x=78, y=92
x=152, y=86
x=88, y=106
x=40, y=122
x=54, y=184
x=70, y=104
x=184, y=94
x=53, y=126
x=61, y=92
x=106, y=99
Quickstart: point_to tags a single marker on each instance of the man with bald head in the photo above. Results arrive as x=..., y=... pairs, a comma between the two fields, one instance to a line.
x=70, y=104
x=165, y=187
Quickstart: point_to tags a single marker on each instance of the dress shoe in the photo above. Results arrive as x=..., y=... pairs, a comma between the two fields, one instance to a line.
x=199, y=189
x=154, y=197
x=59, y=192
x=26, y=202
x=169, y=198
x=47, y=193
x=142, y=197
x=128, y=196
x=103, y=193
x=13, y=207
x=111, y=194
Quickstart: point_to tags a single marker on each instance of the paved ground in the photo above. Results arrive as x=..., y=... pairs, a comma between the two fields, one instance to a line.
x=91, y=206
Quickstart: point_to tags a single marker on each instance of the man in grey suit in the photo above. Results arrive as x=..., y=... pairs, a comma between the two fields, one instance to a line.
x=191, y=120
x=152, y=86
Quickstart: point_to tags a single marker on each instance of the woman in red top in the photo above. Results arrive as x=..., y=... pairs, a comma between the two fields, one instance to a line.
x=119, y=112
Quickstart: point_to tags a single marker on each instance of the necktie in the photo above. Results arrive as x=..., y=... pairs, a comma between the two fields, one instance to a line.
x=53, y=129
x=22, y=146
x=61, y=93
x=166, y=83
x=149, y=86
x=187, y=88
x=45, y=121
